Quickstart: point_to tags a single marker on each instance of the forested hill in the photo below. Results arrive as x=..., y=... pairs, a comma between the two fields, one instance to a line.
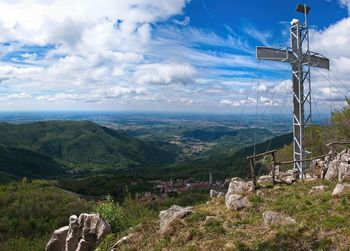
x=220, y=165
x=74, y=144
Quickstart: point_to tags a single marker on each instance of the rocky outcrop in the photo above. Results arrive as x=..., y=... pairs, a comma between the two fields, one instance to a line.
x=318, y=167
x=58, y=239
x=237, y=202
x=332, y=170
x=82, y=234
x=275, y=218
x=344, y=172
x=239, y=186
x=167, y=217
x=288, y=176
x=318, y=189
x=341, y=189
x=339, y=168
x=234, y=198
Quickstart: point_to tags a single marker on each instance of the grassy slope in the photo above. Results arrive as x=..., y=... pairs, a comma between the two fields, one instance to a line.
x=83, y=144
x=30, y=211
x=323, y=223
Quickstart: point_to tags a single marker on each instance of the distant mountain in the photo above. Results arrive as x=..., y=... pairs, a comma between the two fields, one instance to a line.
x=75, y=144
x=213, y=133
x=210, y=133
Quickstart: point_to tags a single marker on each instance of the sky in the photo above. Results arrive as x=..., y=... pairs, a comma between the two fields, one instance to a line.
x=164, y=55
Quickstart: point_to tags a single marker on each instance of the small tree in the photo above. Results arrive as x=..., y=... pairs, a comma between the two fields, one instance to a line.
x=113, y=214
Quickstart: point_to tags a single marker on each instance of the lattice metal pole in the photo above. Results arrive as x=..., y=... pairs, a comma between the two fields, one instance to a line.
x=301, y=95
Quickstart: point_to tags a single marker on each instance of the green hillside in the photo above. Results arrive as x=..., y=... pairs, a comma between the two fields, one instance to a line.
x=84, y=145
x=222, y=166
x=30, y=211
x=19, y=162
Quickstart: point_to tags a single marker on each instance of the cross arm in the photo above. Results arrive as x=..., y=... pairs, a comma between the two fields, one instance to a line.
x=287, y=55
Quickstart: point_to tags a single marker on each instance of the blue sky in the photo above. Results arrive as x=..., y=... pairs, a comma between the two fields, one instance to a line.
x=156, y=55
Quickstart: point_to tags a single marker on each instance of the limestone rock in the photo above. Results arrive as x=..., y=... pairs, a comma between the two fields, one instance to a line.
x=167, y=217
x=74, y=233
x=275, y=218
x=93, y=231
x=332, y=170
x=265, y=178
x=288, y=176
x=339, y=168
x=239, y=186
x=215, y=194
x=82, y=234
x=318, y=189
x=237, y=202
x=121, y=241
x=58, y=239
x=340, y=189
x=318, y=168
x=344, y=172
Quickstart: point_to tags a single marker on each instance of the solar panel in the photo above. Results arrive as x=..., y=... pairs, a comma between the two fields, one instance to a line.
x=303, y=8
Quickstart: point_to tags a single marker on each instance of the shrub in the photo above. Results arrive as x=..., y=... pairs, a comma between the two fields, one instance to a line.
x=113, y=214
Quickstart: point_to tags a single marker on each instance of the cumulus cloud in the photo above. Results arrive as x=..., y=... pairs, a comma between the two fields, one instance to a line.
x=66, y=21
x=96, y=95
x=165, y=74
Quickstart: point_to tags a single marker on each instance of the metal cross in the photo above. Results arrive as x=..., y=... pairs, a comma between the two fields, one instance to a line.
x=301, y=63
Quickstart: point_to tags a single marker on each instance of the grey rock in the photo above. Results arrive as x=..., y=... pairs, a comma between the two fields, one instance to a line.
x=341, y=189
x=215, y=194
x=58, y=239
x=82, y=234
x=167, y=217
x=275, y=218
x=239, y=186
x=318, y=168
x=237, y=202
x=344, y=172
x=332, y=170
x=288, y=176
x=318, y=189
x=74, y=233
x=122, y=241
x=265, y=178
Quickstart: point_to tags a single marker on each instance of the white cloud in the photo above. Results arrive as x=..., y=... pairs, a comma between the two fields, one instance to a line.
x=184, y=22
x=21, y=95
x=95, y=95
x=165, y=74
x=42, y=22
